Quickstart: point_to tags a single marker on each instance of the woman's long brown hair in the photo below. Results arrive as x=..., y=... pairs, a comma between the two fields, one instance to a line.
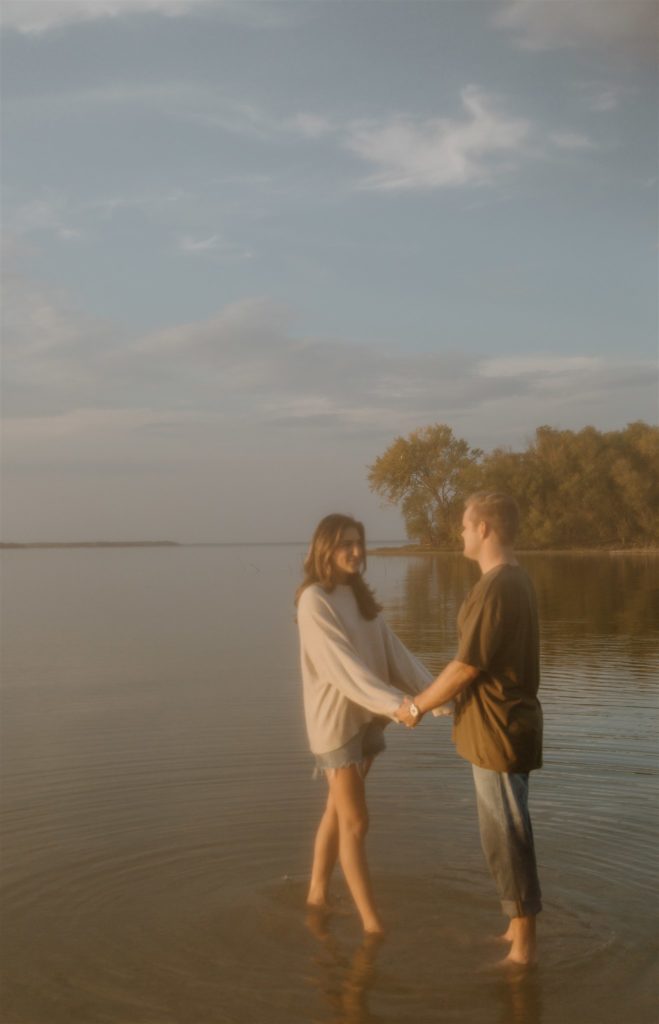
x=319, y=563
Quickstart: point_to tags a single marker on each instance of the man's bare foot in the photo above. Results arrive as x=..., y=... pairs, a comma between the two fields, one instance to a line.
x=521, y=934
x=508, y=935
x=522, y=960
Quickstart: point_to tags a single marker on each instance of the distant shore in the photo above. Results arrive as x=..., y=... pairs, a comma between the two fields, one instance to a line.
x=97, y=544
x=415, y=549
x=404, y=550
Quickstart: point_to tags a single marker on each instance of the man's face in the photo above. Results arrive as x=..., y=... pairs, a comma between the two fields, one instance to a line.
x=472, y=537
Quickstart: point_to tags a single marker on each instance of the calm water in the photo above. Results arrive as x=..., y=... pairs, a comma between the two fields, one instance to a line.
x=159, y=810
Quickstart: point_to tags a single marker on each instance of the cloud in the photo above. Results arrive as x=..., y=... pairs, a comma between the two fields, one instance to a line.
x=38, y=16
x=189, y=244
x=603, y=99
x=49, y=213
x=214, y=243
x=410, y=153
x=574, y=141
x=75, y=387
x=311, y=126
x=625, y=25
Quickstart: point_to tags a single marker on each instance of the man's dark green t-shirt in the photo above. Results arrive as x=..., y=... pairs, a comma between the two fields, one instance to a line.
x=498, y=717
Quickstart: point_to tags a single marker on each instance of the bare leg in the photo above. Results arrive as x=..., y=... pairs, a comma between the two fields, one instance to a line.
x=325, y=853
x=523, y=949
x=348, y=793
x=326, y=850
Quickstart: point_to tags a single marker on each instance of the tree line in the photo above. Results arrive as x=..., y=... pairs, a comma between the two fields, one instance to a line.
x=575, y=489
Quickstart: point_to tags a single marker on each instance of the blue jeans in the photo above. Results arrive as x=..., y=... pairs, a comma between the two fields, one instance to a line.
x=507, y=839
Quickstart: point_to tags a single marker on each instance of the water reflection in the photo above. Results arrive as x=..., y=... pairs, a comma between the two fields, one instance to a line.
x=582, y=598
x=518, y=995
x=344, y=978
x=358, y=985
x=147, y=831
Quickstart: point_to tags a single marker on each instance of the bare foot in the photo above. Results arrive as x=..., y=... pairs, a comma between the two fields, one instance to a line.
x=318, y=898
x=518, y=960
x=374, y=929
x=320, y=905
x=316, y=922
x=507, y=936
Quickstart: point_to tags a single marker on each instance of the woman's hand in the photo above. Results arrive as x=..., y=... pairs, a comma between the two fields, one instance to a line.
x=406, y=716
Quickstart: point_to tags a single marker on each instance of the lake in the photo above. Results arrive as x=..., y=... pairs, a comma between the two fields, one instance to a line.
x=159, y=811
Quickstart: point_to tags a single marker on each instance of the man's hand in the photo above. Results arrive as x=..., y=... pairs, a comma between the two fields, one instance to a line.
x=404, y=716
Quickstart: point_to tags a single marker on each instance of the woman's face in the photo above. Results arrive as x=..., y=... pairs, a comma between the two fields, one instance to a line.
x=348, y=556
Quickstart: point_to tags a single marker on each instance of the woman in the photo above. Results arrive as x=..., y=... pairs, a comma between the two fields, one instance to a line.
x=355, y=674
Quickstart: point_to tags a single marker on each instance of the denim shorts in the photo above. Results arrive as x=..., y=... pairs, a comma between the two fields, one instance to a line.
x=367, y=743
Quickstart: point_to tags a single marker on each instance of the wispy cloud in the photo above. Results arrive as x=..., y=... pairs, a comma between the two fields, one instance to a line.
x=49, y=213
x=546, y=24
x=247, y=368
x=602, y=99
x=486, y=144
x=311, y=126
x=436, y=153
x=213, y=243
x=188, y=244
x=571, y=141
x=37, y=17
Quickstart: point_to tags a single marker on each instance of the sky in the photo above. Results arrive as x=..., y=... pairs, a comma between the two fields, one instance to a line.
x=247, y=245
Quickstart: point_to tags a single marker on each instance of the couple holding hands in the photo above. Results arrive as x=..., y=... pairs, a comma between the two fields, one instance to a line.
x=357, y=675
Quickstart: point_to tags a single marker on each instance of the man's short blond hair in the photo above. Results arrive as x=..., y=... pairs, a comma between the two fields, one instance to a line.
x=498, y=510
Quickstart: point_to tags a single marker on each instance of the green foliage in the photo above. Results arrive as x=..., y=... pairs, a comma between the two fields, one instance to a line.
x=426, y=473
x=575, y=489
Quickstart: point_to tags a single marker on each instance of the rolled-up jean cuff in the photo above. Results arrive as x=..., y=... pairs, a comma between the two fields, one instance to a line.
x=525, y=908
x=507, y=839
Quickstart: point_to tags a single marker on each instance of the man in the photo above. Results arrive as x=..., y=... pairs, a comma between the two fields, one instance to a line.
x=494, y=679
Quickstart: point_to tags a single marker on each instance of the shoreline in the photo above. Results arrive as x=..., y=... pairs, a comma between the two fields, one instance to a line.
x=414, y=550
x=403, y=550
x=95, y=544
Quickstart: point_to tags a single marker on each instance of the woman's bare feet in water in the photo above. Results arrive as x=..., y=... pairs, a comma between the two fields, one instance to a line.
x=374, y=928
x=318, y=899
x=322, y=906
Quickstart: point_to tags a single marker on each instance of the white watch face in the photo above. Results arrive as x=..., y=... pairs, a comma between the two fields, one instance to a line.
x=414, y=711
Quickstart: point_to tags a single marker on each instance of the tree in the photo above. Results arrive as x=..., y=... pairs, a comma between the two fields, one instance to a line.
x=428, y=474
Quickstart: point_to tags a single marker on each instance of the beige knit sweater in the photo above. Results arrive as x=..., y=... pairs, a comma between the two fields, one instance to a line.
x=352, y=668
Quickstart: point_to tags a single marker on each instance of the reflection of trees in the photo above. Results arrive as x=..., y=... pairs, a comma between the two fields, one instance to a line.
x=605, y=593
x=597, y=607
x=594, y=606
x=425, y=617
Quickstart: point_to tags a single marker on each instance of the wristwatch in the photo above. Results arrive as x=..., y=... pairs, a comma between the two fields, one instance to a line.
x=414, y=710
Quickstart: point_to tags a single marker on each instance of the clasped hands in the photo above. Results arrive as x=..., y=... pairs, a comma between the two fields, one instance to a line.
x=404, y=717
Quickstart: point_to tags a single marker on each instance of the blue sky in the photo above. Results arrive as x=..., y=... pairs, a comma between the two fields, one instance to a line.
x=247, y=245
